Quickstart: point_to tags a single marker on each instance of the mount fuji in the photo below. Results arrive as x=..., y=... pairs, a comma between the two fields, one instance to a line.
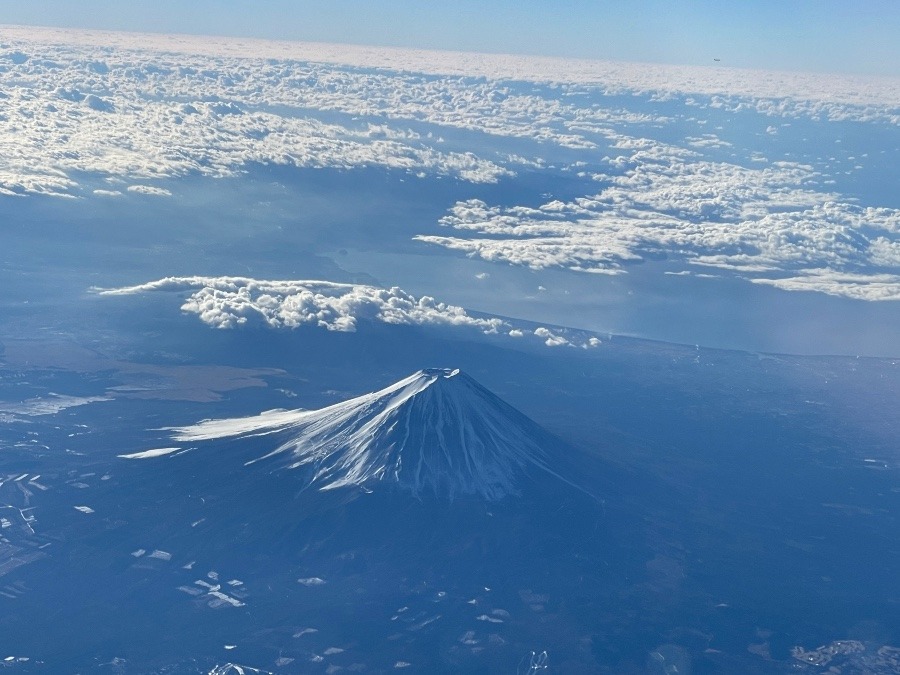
x=428, y=523
x=435, y=433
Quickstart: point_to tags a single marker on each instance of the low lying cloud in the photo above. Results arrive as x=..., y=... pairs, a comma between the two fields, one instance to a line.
x=50, y=405
x=550, y=338
x=228, y=302
x=771, y=224
x=231, y=302
x=857, y=286
x=157, y=107
x=145, y=110
x=149, y=190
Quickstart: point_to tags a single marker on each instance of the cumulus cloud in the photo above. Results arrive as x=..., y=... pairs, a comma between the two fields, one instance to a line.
x=780, y=92
x=707, y=141
x=858, y=286
x=150, y=190
x=227, y=302
x=231, y=302
x=143, y=115
x=550, y=338
x=771, y=224
x=146, y=107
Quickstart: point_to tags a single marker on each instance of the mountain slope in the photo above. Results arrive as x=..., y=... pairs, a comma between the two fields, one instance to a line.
x=435, y=432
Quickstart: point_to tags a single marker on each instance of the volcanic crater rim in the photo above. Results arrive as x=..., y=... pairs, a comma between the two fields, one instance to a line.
x=441, y=372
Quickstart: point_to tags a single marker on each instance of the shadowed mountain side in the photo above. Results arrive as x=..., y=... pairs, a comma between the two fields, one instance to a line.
x=341, y=557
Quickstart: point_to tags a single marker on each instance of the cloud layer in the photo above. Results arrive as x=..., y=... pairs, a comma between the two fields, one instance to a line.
x=227, y=302
x=136, y=108
x=775, y=92
x=231, y=302
x=769, y=223
x=105, y=115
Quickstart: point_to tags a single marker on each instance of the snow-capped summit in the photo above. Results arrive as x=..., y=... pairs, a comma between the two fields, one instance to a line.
x=435, y=432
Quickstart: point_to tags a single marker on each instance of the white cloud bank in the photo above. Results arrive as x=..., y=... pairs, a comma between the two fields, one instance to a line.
x=144, y=107
x=230, y=302
x=775, y=92
x=770, y=224
x=227, y=302
x=139, y=110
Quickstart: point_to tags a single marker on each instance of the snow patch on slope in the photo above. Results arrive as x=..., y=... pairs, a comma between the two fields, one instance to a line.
x=149, y=454
x=435, y=432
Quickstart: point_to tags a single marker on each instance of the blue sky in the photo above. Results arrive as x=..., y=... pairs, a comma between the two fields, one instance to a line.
x=821, y=35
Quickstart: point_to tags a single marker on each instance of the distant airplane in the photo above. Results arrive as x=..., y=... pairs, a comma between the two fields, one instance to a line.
x=717, y=59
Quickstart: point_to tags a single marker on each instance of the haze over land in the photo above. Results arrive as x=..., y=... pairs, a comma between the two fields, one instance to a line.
x=327, y=358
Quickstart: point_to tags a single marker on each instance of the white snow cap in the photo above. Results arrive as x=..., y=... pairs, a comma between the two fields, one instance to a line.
x=435, y=432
